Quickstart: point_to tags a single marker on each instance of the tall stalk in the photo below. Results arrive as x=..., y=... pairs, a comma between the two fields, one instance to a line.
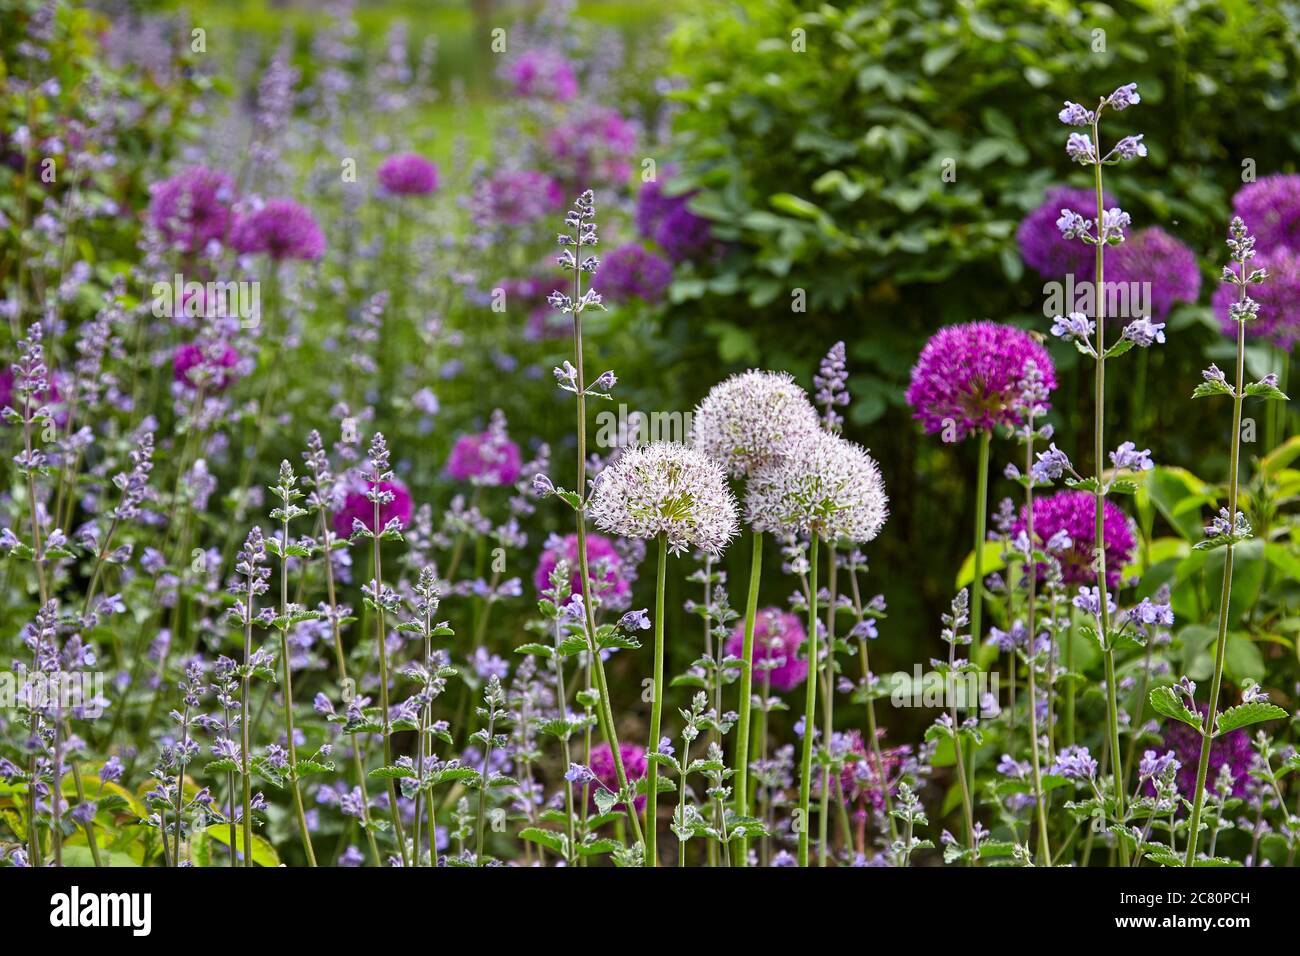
x=656, y=709
x=746, y=695
x=810, y=706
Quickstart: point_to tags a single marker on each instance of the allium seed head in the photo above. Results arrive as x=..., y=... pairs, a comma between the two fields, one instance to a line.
x=752, y=419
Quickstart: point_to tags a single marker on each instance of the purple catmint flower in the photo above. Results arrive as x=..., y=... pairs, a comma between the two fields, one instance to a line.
x=1075, y=115
x=752, y=419
x=1130, y=147
x=669, y=489
x=1074, y=512
x=1277, y=319
x=778, y=635
x=1078, y=146
x=407, y=174
x=1074, y=763
x=606, y=773
x=633, y=272
x=515, y=198
x=1272, y=207
x=542, y=73
x=1127, y=457
x=1075, y=327
x=357, y=506
x=823, y=485
x=600, y=549
x=1232, y=750
x=281, y=228
x=490, y=458
x=196, y=365
x=1124, y=97
x=192, y=208
x=831, y=382
x=968, y=377
x=1155, y=257
x=1043, y=247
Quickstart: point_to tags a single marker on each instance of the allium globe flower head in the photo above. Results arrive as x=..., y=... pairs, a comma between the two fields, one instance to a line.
x=1278, y=297
x=489, y=459
x=211, y=371
x=617, y=577
x=669, y=489
x=1075, y=514
x=357, y=506
x=633, y=272
x=967, y=378
x=1232, y=750
x=543, y=73
x=778, y=636
x=822, y=485
x=1153, y=256
x=602, y=766
x=594, y=145
x=281, y=228
x=1271, y=206
x=751, y=419
x=1043, y=247
x=193, y=207
x=407, y=174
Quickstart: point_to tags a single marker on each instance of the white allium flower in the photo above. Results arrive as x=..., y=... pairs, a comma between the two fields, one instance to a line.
x=825, y=485
x=666, y=488
x=750, y=419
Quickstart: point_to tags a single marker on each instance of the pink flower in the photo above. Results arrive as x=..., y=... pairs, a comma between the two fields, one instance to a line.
x=777, y=637
x=357, y=505
x=490, y=458
x=192, y=208
x=408, y=174
x=1075, y=513
x=189, y=365
x=602, y=765
x=543, y=73
x=599, y=549
x=282, y=228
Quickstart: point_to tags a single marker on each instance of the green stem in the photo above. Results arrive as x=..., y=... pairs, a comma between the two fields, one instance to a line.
x=810, y=707
x=746, y=695
x=380, y=634
x=656, y=708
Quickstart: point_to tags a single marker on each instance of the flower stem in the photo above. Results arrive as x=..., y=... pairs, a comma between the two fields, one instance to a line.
x=381, y=635
x=746, y=695
x=810, y=707
x=656, y=707
x=1031, y=569
x=288, y=697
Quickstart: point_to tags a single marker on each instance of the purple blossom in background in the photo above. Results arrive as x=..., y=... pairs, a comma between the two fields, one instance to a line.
x=359, y=507
x=1271, y=206
x=968, y=377
x=1075, y=513
x=49, y=396
x=193, y=208
x=593, y=145
x=515, y=198
x=599, y=549
x=1278, y=299
x=1153, y=256
x=605, y=772
x=1043, y=247
x=777, y=637
x=408, y=174
x=190, y=356
x=666, y=221
x=1232, y=750
x=633, y=272
x=281, y=228
x=490, y=458
x=542, y=73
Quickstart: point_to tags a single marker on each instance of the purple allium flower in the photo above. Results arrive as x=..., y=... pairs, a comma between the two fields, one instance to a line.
x=777, y=637
x=359, y=507
x=1153, y=256
x=668, y=222
x=602, y=766
x=192, y=208
x=1043, y=247
x=1272, y=208
x=599, y=548
x=281, y=228
x=968, y=377
x=407, y=174
x=190, y=356
x=670, y=489
x=490, y=458
x=1278, y=298
x=543, y=73
x=752, y=419
x=516, y=198
x=823, y=485
x=1074, y=512
x=1232, y=750
x=633, y=272
x=594, y=145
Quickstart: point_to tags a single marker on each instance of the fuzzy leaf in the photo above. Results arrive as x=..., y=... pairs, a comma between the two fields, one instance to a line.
x=1245, y=714
x=1165, y=701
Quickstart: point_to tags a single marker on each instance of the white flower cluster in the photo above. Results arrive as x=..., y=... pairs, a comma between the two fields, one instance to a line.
x=748, y=420
x=666, y=488
x=823, y=485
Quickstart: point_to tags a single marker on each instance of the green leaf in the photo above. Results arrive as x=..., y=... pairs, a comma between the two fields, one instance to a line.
x=1245, y=714
x=1214, y=387
x=1265, y=390
x=548, y=838
x=263, y=853
x=1164, y=700
x=393, y=772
